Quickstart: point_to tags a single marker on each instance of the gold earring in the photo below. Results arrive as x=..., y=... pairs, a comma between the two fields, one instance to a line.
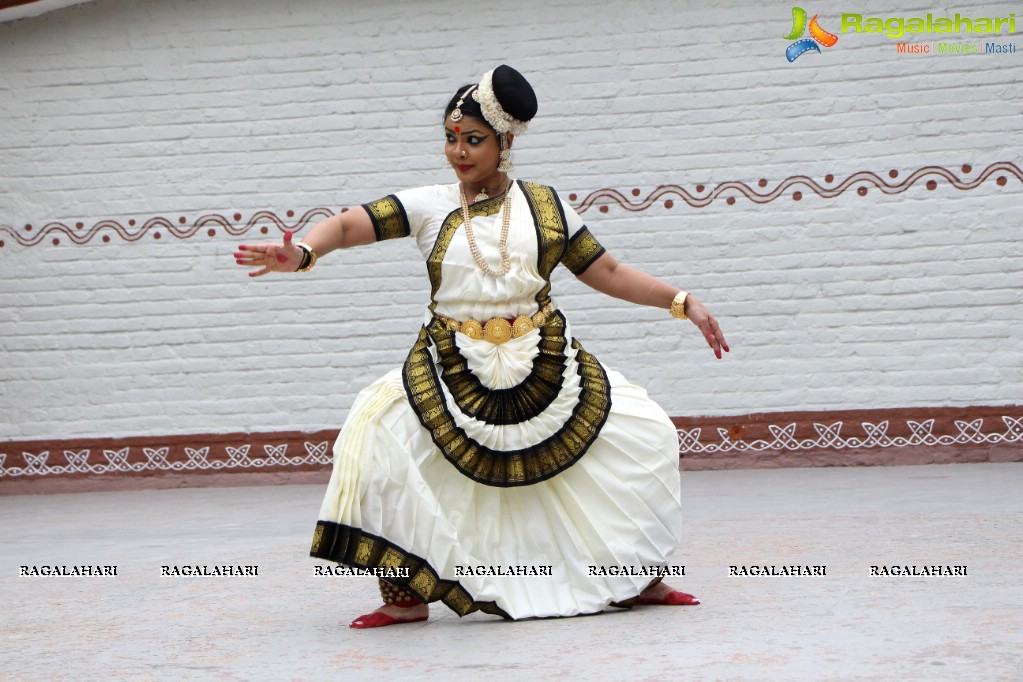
x=505, y=166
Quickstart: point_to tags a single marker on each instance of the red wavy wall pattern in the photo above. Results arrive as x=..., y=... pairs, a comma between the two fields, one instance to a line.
x=157, y=227
x=861, y=182
x=701, y=197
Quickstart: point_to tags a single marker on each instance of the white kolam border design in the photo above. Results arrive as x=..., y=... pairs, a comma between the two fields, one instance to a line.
x=238, y=458
x=829, y=437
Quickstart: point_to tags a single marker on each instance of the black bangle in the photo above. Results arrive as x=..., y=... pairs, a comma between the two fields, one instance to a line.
x=307, y=256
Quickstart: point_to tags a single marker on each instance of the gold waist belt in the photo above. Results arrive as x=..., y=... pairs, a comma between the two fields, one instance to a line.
x=498, y=329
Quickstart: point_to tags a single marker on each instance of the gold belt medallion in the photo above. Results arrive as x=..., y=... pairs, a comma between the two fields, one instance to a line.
x=497, y=330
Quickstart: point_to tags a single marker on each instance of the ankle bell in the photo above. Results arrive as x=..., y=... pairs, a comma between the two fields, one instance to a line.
x=399, y=596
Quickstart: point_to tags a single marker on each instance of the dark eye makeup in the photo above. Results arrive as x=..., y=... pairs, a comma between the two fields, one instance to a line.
x=474, y=140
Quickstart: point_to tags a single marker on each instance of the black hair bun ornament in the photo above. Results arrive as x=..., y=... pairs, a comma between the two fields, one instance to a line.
x=507, y=100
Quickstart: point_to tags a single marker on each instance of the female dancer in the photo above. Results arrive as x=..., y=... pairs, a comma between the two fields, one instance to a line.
x=502, y=468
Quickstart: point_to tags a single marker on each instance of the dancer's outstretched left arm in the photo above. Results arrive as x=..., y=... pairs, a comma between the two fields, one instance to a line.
x=610, y=277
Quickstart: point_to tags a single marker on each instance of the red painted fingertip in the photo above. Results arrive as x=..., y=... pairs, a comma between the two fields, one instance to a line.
x=241, y=247
x=287, y=236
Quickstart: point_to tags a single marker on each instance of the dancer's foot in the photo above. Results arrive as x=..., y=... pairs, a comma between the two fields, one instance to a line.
x=392, y=614
x=662, y=594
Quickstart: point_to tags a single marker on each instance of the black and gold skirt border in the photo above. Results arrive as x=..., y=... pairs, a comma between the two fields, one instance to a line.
x=356, y=548
x=507, y=468
x=514, y=405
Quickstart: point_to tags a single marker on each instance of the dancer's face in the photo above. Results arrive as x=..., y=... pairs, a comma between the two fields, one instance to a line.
x=473, y=150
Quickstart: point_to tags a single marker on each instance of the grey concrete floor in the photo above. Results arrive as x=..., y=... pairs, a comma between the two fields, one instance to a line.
x=289, y=624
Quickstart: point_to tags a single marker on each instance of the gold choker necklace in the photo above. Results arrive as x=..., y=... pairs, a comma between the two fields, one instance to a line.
x=502, y=246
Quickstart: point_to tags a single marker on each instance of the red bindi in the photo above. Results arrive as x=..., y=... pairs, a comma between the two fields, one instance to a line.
x=458, y=129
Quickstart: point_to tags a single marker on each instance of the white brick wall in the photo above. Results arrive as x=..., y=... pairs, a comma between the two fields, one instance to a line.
x=130, y=110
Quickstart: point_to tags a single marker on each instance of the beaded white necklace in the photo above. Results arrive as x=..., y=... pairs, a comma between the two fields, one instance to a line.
x=502, y=246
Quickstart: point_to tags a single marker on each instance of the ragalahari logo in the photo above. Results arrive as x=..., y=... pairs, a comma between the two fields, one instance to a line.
x=818, y=36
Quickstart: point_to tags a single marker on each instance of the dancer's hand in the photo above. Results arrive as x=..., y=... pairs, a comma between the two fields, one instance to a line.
x=699, y=316
x=270, y=257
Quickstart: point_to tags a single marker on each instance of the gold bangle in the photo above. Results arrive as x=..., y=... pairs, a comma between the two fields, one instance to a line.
x=312, y=256
x=678, y=306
